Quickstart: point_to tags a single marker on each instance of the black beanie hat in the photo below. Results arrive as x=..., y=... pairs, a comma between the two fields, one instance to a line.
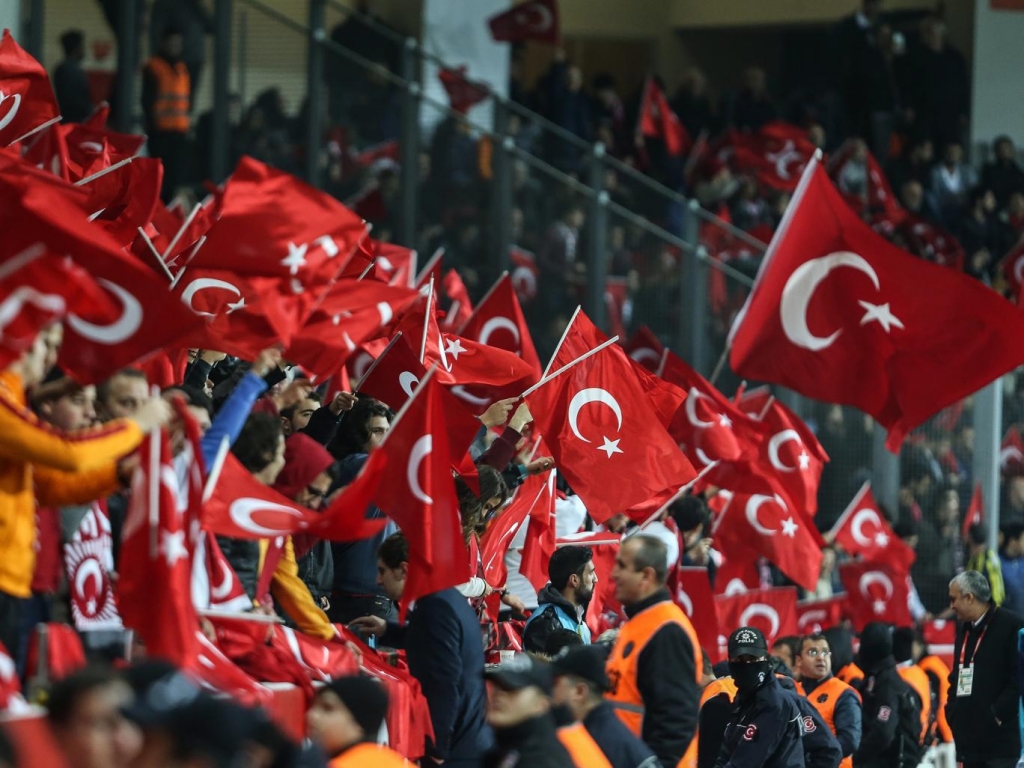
x=365, y=698
x=875, y=643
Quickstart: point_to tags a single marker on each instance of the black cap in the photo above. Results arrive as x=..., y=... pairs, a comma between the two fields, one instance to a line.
x=747, y=641
x=875, y=643
x=586, y=662
x=365, y=698
x=522, y=671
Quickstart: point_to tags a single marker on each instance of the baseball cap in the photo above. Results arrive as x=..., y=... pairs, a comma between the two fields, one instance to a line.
x=522, y=671
x=747, y=641
x=586, y=662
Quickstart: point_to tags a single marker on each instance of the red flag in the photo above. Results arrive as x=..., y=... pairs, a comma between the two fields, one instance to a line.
x=322, y=661
x=156, y=559
x=693, y=595
x=541, y=534
x=26, y=98
x=418, y=493
x=1013, y=268
x=392, y=264
x=11, y=699
x=777, y=155
x=762, y=524
x=462, y=92
x=645, y=348
x=1011, y=454
x=773, y=611
x=598, y=423
x=883, y=334
x=535, y=20
x=862, y=530
x=880, y=200
x=875, y=593
x=394, y=376
x=125, y=199
x=931, y=242
x=48, y=150
x=494, y=543
x=498, y=321
x=657, y=120
x=737, y=574
x=814, y=616
x=226, y=590
x=524, y=273
x=461, y=307
x=975, y=512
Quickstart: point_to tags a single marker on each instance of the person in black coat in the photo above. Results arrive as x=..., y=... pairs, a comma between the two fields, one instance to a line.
x=766, y=727
x=821, y=747
x=984, y=693
x=445, y=652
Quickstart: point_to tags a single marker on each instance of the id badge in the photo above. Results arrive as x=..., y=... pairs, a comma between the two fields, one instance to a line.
x=965, y=682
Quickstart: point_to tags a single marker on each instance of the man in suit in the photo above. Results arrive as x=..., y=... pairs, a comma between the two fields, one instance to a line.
x=984, y=694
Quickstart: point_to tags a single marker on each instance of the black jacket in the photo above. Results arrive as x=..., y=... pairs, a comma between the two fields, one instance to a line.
x=533, y=744
x=545, y=619
x=620, y=746
x=667, y=679
x=883, y=716
x=445, y=651
x=821, y=748
x=355, y=562
x=765, y=730
x=995, y=693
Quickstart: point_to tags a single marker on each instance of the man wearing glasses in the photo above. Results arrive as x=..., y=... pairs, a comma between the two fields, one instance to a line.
x=836, y=702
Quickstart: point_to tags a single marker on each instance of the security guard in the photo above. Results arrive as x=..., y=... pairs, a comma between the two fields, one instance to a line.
x=656, y=666
x=821, y=749
x=165, y=103
x=837, y=702
x=766, y=727
x=916, y=678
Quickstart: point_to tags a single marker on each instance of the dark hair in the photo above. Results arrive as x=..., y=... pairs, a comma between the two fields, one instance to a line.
x=103, y=388
x=651, y=553
x=8, y=755
x=72, y=40
x=811, y=638
x=257, y=442
x=69, y=691
x=394, y=550
x=1012, y=530
x=976, y=534
x=706, y=667
x=790, y=641
x=193, y=396
x=976, y=195
x=563, y=638
x=471, y=505
x=689, y=512
x=289, y=412
x=568, y=561
x=354, y=429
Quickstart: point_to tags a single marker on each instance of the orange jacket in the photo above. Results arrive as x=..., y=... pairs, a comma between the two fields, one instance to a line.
x=65, y=468
x=369, y=756
x=937, y=667
x=171, y=102
x=292, y=593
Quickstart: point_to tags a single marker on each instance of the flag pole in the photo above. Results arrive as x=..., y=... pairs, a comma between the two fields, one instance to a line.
x=426, y=321
x=30, y=254
x=720, y=364
x=564, y=368
x=676, y=496
x=767, y=407
x=562, y=340
x=376, y=361
x=104, y=172
x=661, y=363
x=830, y=535
x=482, y=301
x=154, y=494
x=436, y=257
x=215, y=469
x=37, y=129
x=156, y=253
x=181, y=231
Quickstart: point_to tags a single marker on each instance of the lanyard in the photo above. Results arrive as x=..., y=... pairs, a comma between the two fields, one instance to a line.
x=977, y=644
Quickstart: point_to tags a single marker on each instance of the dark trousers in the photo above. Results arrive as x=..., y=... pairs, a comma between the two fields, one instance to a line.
x=12, y=627
x=1001, y=762
x=171, y=147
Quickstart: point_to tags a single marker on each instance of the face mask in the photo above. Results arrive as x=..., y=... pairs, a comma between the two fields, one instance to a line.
x=563, y=715
x=749, y=676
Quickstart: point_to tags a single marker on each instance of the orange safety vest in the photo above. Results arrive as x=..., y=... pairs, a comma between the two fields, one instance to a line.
x=917, y=679
x=623, y=662
x=824, y=699
x=170, y=110
x=369, y=756
x=849, y=673
x=582, y=748
x=724, y=685
x=938, y=667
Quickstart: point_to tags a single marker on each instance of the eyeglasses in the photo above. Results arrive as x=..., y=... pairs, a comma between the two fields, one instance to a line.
x=316, y=493
x=815, y=653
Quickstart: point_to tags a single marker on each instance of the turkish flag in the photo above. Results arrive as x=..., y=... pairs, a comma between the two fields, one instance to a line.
x=692, y=593
x=763, y=524
x=541, y=534
x=657, y=120
x=1013, y=268
x=524, y=273
x=598, y=424
x=975, y=512
x=776, y=155
x=461, y=307
x=874, y=592
x=644, y=347
x=494, y=543
x=883, y=333
x=418, y=493
x=498, y=321
x=350, y=312
x=240, y=506
x=156, y=559
x=125, y=199
x=792, y=451
x=320, y=660
x=11, y=699
x=212, y=667
x=48, y=150
x=535, y=20
x=814, y=616
x=931, y=242
x=392, y=264
x=462, y=92
x=1011, y=453
x=738, y=573
x=26, y=98
x=93, y=150
x=394, y=375
x=273, y=225
x=773, y=611
x=863, y=531
x=880, y=200
x=226, y=590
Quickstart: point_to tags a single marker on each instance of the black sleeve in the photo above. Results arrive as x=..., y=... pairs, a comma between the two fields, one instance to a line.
x=881, y=719
x=322, y=425
x=1005, y=707
x=198, y=373
x=714, y=716
x=821, y=748
x=764, y=733
x=538, y=630
x=667, y=679
x=432, y=646
x=847, y=720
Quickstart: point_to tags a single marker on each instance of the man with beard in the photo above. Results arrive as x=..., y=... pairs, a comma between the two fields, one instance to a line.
x=562, y=602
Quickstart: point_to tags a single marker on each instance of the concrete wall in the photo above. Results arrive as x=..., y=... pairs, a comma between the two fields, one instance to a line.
x=997, y=87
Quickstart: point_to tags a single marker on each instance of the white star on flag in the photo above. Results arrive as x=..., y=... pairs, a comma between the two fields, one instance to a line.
x=236, y=305
x=881, y=539
x=172, y=546
x=881, y=314
x=879, y=607
x=296, y=257
x=724, y=421
x=610, y=447
x=789, y=528
x=804, y=459
x=454, y=348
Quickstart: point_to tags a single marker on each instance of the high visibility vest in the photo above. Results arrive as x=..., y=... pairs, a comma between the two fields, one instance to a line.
x=369, y=756
x=917, y=679
x=824, y=699
x=850, y=673
x=623, y=662
x=724, y=685
x=582, y=748
x=170, y=110
x=937, y=667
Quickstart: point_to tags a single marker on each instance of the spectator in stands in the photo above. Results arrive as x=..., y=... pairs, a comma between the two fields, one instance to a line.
x=691, y=517
x=344, y=720
x=558, y=260
x=693, y=105
x=70, y=83
x=979, y=229
x=752, y=106
x=914, y=165
x=165, y=104
x=567, y=105
x=1002, y=174
x=563, y=602
x=938, y=86
x=1011, y=564
x=193, y=21
x=786, y=649
x=453, y=160
x=914, y=199
x=986, y=562
x=872, y=96
x=608, y=110
x=952, y=179
x=85, y=713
